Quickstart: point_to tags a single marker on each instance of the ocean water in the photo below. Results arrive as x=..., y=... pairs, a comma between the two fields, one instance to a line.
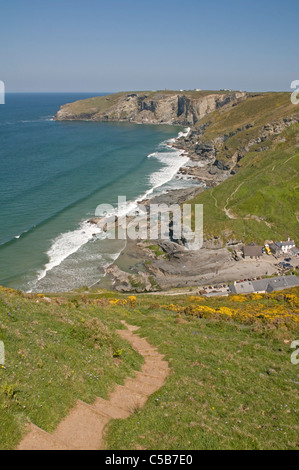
x=55, y=174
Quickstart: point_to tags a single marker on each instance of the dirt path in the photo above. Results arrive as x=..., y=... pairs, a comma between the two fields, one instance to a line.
x=229, y=214
x=83, y=428
x=283, y=163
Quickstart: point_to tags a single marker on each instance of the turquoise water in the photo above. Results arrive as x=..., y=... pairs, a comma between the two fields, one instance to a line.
x=54, y=175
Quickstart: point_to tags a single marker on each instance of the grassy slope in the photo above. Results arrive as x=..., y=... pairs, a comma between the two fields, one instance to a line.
x=232, y=384
x=54, y=355
x=266, y=184
x=95, y=105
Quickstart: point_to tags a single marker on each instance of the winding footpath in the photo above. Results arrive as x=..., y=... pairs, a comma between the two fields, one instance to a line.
x=83, y=428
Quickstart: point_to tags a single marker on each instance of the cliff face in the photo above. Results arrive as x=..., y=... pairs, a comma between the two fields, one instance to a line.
x=151, y=108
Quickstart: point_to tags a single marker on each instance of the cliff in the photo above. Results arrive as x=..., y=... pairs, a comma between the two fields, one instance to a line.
x=168, y=107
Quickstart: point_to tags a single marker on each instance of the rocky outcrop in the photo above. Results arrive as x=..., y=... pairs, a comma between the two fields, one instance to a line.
x=152, y=108
x=216, y=159
x=271, y=129
x=138, y=282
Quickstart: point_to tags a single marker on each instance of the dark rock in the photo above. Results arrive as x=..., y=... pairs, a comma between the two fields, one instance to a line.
x=221, y=165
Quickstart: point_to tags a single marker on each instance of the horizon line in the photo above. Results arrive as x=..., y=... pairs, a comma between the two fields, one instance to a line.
x=164, y=89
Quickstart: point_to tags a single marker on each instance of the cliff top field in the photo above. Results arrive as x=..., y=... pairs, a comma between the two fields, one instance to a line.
x=231, y=386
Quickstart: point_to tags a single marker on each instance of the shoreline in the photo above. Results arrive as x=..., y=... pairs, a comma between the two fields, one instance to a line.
x=132, y=259
x=167, y=196
x=157, y=266
x=207, y=169
x=86, y=231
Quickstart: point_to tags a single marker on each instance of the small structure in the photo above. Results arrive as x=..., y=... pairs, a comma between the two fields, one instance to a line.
x=264, y=285
x=285, y=247
x=252, y=251
x=241, y=288
x=282, y=282
x=274, y=249
x=294, y=251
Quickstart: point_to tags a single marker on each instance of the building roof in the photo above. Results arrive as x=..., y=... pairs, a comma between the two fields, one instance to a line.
x=282, y=282
x=274, y=247
x=253, y=250
x=248, y=287
x=242, y=288
x=288, y=243
x=265, y=285
x=260, y=285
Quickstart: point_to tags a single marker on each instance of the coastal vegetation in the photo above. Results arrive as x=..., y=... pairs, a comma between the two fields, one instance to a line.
x=232, y=384
x=260, y=201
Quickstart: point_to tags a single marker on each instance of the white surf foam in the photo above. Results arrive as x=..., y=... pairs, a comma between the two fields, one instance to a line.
x=172, y=160
x=66, y=244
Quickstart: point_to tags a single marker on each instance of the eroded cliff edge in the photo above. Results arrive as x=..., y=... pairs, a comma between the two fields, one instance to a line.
x=181, y=108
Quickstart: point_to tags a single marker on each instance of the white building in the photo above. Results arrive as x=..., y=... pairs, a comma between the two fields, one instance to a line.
x=285, y=247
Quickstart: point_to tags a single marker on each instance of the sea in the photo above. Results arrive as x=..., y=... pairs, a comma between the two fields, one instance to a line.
x=53, y=177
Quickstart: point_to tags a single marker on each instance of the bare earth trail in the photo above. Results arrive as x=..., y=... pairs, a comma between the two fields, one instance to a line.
x=284, y=163
x=83, y=428
x=229, y=213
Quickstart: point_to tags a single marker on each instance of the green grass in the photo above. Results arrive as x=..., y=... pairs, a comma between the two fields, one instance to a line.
x=156, y=250
x=231, y=387
x=55, y=354
x=263, y=196
x=232, y=384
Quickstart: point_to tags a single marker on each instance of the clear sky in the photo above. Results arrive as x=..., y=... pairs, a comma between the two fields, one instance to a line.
x=114, y=45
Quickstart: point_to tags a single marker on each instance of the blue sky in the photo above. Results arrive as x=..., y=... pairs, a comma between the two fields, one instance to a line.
x=96, y=45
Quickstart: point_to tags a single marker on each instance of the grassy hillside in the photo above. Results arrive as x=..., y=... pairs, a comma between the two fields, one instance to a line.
x=261, y=200
x=257, y=110
x=232, y=384
x=55, y=353
x=95, y=105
